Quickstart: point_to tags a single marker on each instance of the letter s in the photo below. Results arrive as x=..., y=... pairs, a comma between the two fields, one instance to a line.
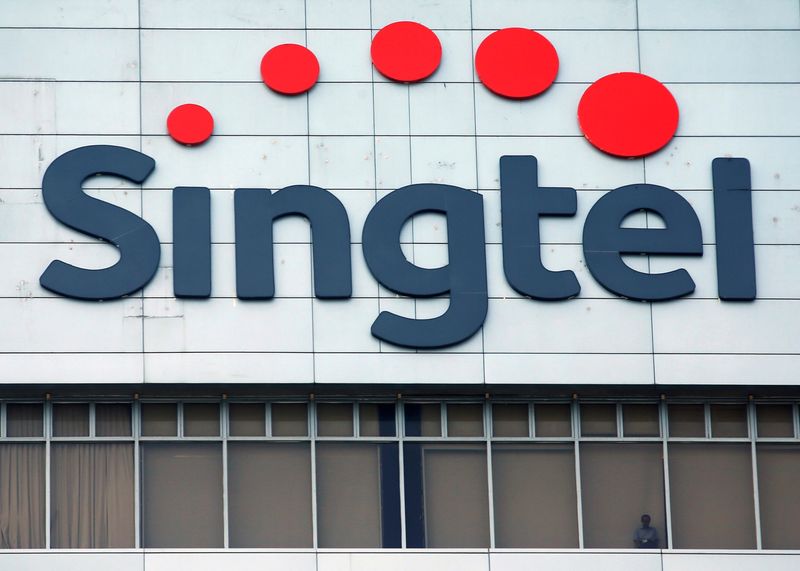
x=138, y=243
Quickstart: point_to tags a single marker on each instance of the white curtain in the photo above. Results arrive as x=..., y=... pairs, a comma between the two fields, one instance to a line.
x=22, y=501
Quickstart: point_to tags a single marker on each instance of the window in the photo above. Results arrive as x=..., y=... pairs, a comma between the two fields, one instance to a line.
x=372, y=473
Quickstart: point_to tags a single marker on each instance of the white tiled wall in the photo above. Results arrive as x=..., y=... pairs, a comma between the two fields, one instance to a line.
x=83, y=72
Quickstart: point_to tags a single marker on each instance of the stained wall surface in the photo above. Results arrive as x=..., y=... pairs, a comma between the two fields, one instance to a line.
x=109, y=71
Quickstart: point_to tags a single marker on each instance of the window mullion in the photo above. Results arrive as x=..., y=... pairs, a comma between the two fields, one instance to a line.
x=574, y=409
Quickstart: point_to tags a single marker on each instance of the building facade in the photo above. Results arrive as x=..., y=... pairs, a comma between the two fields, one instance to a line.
x=448, y=295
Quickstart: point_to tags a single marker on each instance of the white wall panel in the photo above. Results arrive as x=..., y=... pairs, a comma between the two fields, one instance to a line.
x=442, y=109
x=72, y=561
x=69, y=13
x=399, y=367
x=71, y=368
x=213, y=14
x=722, y=562
x=223, y=368
x=569, y=369
x=729, y=369
x=69, y=54
x=719, y=14
x=573, y=326
x=555, y=14
x=421, y=561
x=215, y=561
x=630, y=561
x=438, y=15
x=279, y=325
x=338, y=14
x=720, y=56
x=543, y=115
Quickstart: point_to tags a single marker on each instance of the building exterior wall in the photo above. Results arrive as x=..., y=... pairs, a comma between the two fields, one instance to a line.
x=89, y=72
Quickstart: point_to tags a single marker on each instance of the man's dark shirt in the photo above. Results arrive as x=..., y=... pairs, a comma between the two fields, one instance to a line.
x=646, y=538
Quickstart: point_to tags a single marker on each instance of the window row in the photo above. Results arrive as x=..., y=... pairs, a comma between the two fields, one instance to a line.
x=258, y=494
x=422, y=420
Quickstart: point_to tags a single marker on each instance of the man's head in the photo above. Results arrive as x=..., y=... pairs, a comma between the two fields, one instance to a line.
x=645, y=520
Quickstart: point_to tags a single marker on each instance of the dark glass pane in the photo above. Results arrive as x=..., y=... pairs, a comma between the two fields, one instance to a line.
x=552, y=420
x=22, y=496
x=290, y=419
x=619, y=484
x=358, y=494
x=510, y=420
x=728, y=421
x=446, y=495
x=269, y=494
x=711, y=491
x=159, y=419
x=535, y=502
x=423, y=419
x=24, y=420
x=687, y=420
x=640, y=420
x=246, y=419
x=775, y=420
x=201, y=419
x=92, y=495
x=112, y=419
x=334, y=419
x=779, y=494
x=182, y=494
x=598, y=420
x=376, y=419
x=464, y=420
x=71, y=419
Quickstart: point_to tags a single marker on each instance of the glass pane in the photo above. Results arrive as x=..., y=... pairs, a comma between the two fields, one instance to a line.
x=201, y=419
x=22, y=503
x=620, y=483
x=711, y=488
x=640, y=420
x=447, y=502
x=728, y=421
x=269, y=494
x=423, y=419
x=779, y=494
x=510, y=420
x=334, y=419
x=535, y=502
x=246, y=419
x=775, y=420
x=598, y=420
x=552, y=420
x=92, y=495
x=376, y=419
x=687, y=420
x=358, y=494
x=112, y=419
x=71, y=419
x=182, y=494
x=464, y=420
x=290, y=419
x=24, y=420
x=159, y=419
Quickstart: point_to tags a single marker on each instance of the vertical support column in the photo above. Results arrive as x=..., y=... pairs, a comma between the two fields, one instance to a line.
x=575, y=409
x=487, y=430
x=137, y=471
x=48, y=430
x=400, y=431
x=751, y=428
x=312, y=432
x=223, y=431
x=664, y=420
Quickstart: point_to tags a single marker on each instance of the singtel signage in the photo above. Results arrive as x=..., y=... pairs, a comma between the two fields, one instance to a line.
x=523, y=203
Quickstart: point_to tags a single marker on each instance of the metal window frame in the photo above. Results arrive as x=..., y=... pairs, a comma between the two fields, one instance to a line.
x=488, y=439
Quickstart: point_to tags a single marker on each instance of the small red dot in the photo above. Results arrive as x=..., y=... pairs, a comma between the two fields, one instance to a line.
x=290, y=69
x=516, y=63
x=628, y=114
x=190, y=124
x=406, y=51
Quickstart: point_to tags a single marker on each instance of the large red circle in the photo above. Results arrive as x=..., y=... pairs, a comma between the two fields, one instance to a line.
x=406, y=51
x=628, y=114
x=290, y=69
x=516, y=63
x=190, y=124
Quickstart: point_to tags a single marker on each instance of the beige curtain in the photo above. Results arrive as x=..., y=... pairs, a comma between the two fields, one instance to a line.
x=22, y=503
x=92, y=495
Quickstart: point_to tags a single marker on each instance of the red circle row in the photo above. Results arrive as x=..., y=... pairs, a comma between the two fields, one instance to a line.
x=624, y=114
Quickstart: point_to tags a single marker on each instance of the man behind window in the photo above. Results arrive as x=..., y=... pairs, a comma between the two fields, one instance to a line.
x=646, y=537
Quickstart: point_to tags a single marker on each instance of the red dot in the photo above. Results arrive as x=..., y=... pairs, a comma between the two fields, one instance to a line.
x=406, y=51
x=516, y=63
x=628, y=114
x=190, y=124
x=290, y=69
